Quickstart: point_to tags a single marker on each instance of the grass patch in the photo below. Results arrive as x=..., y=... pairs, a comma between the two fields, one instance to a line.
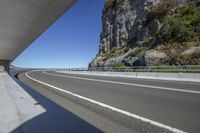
x=120, y=65
x=137, y=52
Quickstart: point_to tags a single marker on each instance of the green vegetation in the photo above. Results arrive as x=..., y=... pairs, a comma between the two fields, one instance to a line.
x=178, y=30
x=161, y=10
x=137, y=52
x=185, y=69
x=120, y=65
x=176, y=59
x=162, y=68
x=180, y=27
x=145, y=42
x=107, y=56
x=115, y=52
x=131, y=43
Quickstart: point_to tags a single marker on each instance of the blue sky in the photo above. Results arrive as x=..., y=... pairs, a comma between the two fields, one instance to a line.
x=72, y=41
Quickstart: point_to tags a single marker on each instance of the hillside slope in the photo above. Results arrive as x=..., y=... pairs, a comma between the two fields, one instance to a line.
x=149, y=32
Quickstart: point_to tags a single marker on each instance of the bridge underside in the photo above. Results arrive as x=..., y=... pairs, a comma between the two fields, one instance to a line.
x=5, y=64
x=23, y=21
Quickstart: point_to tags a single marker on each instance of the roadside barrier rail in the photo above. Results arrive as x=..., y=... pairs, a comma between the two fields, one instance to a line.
x=167, y=69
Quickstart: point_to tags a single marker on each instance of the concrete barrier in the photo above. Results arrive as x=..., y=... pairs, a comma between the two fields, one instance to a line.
x=192, y=77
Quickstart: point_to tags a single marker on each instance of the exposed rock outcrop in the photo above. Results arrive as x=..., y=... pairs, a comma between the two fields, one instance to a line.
x=126, y=22
x=154, y=57
x=191, y=51
x=122, y=22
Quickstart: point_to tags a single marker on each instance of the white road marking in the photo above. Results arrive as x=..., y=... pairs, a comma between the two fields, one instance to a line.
x=123, y=83
x=110, y=107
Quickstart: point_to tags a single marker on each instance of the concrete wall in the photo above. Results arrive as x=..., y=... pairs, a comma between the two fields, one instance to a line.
x=193, y=77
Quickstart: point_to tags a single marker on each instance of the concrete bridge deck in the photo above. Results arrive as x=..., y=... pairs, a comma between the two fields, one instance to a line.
x=17, y=106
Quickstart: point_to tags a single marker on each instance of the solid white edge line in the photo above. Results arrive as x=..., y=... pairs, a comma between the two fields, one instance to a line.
x=110, y=107
x=123, y=83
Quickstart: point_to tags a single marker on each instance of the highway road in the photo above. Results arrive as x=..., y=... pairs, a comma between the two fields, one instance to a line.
x=171, y=103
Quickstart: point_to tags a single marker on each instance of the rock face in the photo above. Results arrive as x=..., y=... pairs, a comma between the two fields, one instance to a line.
x=192, y=50
x=154, y=57
x=123, y=23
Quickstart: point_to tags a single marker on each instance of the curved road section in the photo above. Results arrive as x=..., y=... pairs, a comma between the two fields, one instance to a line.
x=146, y=105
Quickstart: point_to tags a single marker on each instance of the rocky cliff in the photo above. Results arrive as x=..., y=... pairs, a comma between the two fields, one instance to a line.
x=122, y=21
x=131, y=29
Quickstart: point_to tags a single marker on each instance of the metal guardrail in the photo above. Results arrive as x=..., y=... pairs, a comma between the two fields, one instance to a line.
x=172, y=69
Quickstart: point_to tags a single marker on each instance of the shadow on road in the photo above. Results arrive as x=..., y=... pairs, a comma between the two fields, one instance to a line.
x=56, y=119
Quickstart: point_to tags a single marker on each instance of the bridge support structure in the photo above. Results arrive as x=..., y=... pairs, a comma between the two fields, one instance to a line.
x=5, y=64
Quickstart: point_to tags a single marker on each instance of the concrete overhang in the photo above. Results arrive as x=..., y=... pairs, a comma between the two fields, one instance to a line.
x=23, y=21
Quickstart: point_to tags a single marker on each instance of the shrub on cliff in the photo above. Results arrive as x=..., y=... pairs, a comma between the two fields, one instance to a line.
x=160, y=10
x=137, y=52
x=181, y=26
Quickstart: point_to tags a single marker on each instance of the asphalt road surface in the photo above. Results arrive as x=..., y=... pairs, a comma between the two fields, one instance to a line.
x=172, y=103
